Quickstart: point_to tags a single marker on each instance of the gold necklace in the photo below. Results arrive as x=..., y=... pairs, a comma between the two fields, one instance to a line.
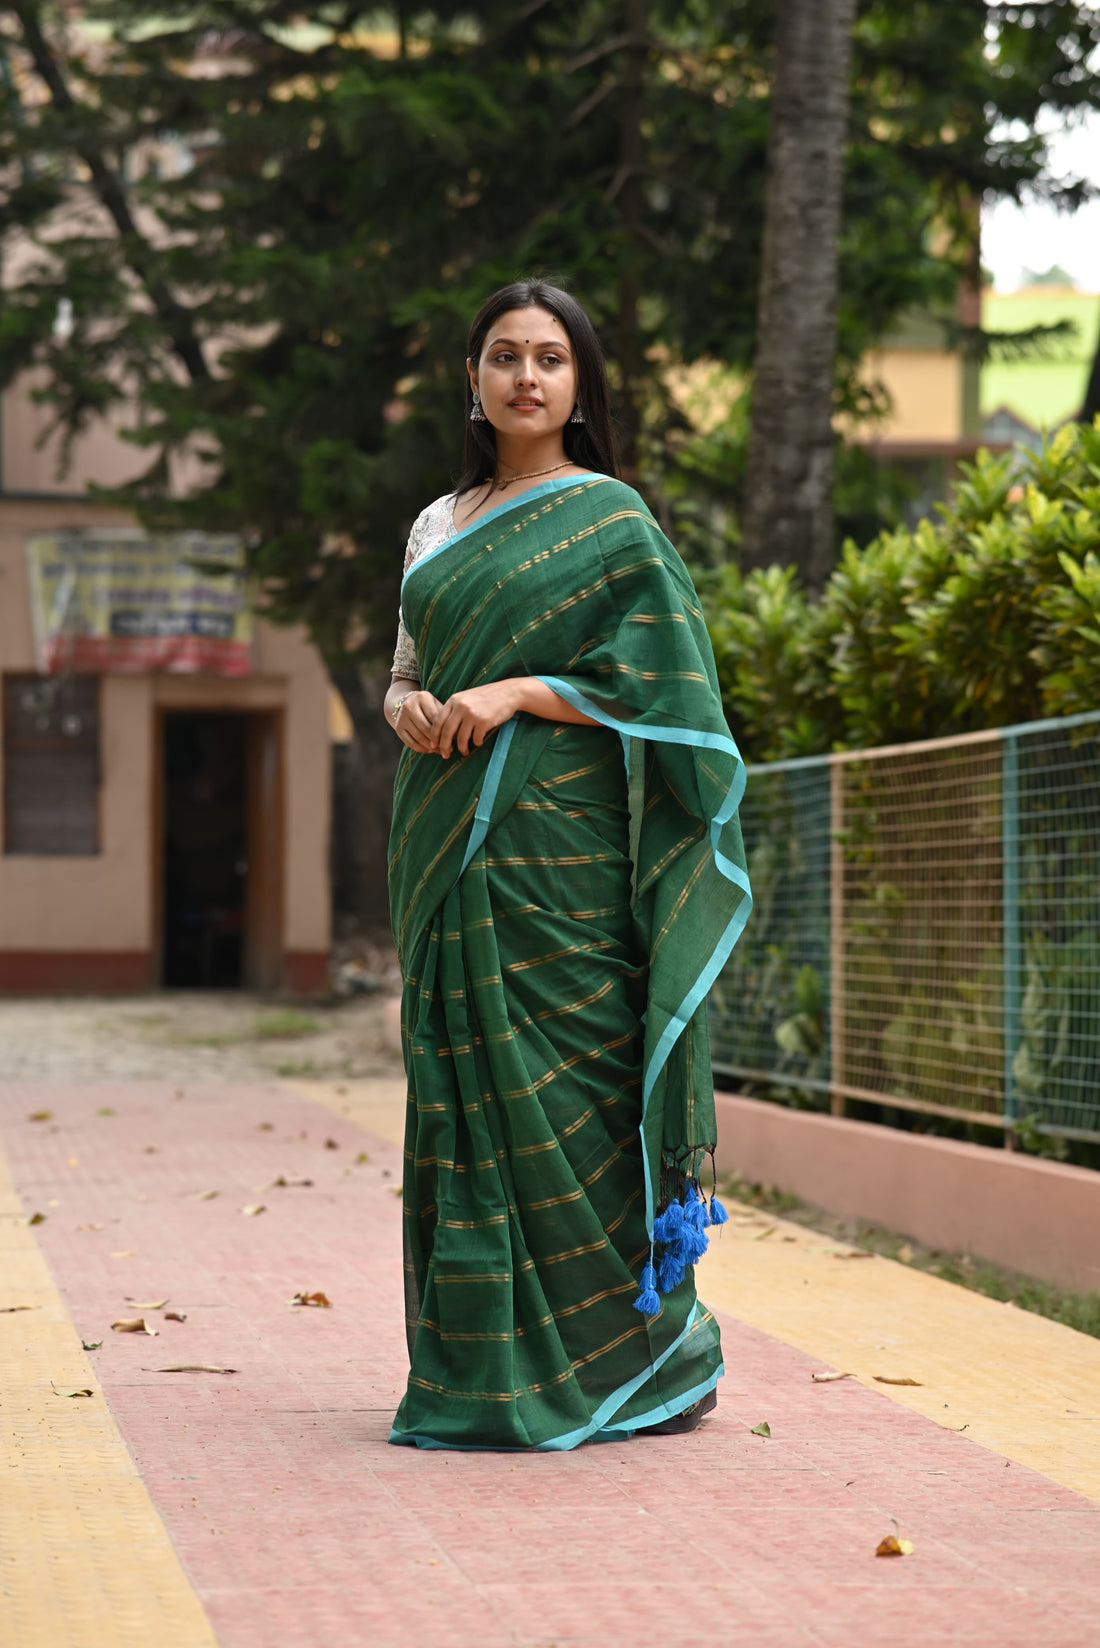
x=531, y=474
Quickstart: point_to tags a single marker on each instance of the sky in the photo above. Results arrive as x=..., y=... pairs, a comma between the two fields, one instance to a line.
x=1034, y=236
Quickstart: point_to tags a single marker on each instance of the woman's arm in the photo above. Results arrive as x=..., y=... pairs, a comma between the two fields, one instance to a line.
x=413, y=723
x=466, y=719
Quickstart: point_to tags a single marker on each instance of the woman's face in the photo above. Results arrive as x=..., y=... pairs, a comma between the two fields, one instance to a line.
x=527, y=373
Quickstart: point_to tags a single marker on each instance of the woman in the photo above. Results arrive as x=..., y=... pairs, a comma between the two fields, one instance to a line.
x=566, y=880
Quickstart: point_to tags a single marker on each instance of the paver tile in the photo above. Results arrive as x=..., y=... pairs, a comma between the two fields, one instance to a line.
x=298, y=1525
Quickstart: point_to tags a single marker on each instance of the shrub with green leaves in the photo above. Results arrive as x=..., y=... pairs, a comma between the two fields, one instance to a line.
x=988, y=616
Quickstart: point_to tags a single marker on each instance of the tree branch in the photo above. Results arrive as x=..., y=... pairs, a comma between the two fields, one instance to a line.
x=173, y=316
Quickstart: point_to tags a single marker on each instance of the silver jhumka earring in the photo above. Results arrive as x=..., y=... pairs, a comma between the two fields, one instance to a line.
x=476, y=414
x=577, y=415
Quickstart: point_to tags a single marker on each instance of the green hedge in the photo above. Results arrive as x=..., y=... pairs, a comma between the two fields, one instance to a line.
x=986, y=617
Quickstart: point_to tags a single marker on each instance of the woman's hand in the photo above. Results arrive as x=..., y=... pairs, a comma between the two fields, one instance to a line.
x=467, y=718
x=415, y=721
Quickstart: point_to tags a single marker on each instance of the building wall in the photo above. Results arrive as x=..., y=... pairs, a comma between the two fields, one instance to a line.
x=926, y=393
x=28, y=467
x=101, y=908
x=1042, y=390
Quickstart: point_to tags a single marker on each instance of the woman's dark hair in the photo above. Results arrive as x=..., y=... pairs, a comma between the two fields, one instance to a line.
x=590, y=444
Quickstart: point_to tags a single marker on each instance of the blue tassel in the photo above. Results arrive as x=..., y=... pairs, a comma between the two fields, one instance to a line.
x=647, y=1299
x=671, y=1273
x=695, y=1213
x=692, y=1245
x=718, y=1214
x=668, y=1225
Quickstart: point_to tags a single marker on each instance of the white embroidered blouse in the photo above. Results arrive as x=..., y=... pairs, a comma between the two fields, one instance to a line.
x=432, y=527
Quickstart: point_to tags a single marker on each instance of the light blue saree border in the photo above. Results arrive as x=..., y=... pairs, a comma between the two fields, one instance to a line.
x=677, y=1024
x=610, y=1407
x=558, y=484
x=656, y=1416
x=479, y=829
x=606, y=1410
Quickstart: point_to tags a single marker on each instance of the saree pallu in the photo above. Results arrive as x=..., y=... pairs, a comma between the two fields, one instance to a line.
x=562, y=899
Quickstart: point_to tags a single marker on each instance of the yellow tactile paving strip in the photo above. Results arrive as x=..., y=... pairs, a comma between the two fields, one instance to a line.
x=1023, y=1386
x=85, y=1561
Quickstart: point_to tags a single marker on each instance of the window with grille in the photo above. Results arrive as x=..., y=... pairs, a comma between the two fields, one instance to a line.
x=51, y=765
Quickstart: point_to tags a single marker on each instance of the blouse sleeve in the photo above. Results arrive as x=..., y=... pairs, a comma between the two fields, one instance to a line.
x=404, y=659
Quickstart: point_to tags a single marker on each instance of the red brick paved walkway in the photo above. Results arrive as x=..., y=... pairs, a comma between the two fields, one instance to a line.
x=300, y=1527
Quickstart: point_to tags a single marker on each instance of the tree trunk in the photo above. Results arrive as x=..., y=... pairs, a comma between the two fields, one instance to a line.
x=788, y=514
x=1091, y=407
x=370, y=793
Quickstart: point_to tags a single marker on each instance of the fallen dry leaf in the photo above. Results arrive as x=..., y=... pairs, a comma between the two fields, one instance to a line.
x=7, y=1310
x=152, y=1149
x=265, y=1127
x=89, y=1227
x=826, y=1378
x=769, y=1230
x=331, y=1144
x=40, y=1116
x=854, y=1253
x=311, y=1299
x=398, y=1190
x=887, y=1379
x=71, y=1390
x=288, y=1183
x=37, y=1219
x=205, y=1195
x=175, y=1316
x=362, y=1157
x=763, y=1429
x=252, y=1209
x=893, y=1546
x=124, y=1253
x=91, y=1344
x=133, y=1324
x=147, y=1304
x=105, y=1110
x=195, y=1367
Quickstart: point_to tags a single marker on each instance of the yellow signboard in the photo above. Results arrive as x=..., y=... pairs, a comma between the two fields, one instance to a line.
x=120, y=601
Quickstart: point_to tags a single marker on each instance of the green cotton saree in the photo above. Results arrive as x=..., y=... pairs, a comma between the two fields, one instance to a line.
x=562, y=899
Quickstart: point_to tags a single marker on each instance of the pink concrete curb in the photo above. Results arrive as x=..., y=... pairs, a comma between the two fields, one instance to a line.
x=1032, y=1215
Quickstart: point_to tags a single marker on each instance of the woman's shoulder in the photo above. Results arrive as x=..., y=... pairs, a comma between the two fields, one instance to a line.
x=440, y=509
x=611, y=493
x=431, y=527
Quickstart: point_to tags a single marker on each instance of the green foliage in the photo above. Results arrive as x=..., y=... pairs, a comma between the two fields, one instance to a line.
x=773, y=994
x=315, y=215
x=771, y=648
x=986, y=617
x=1051, y=1071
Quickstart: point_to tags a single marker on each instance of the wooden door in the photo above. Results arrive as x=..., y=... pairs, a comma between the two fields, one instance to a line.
x=266, y=836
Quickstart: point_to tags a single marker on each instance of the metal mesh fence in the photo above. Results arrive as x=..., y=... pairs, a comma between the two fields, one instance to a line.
x=769, y=1009
x=926, y=931
x=1052, y=918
